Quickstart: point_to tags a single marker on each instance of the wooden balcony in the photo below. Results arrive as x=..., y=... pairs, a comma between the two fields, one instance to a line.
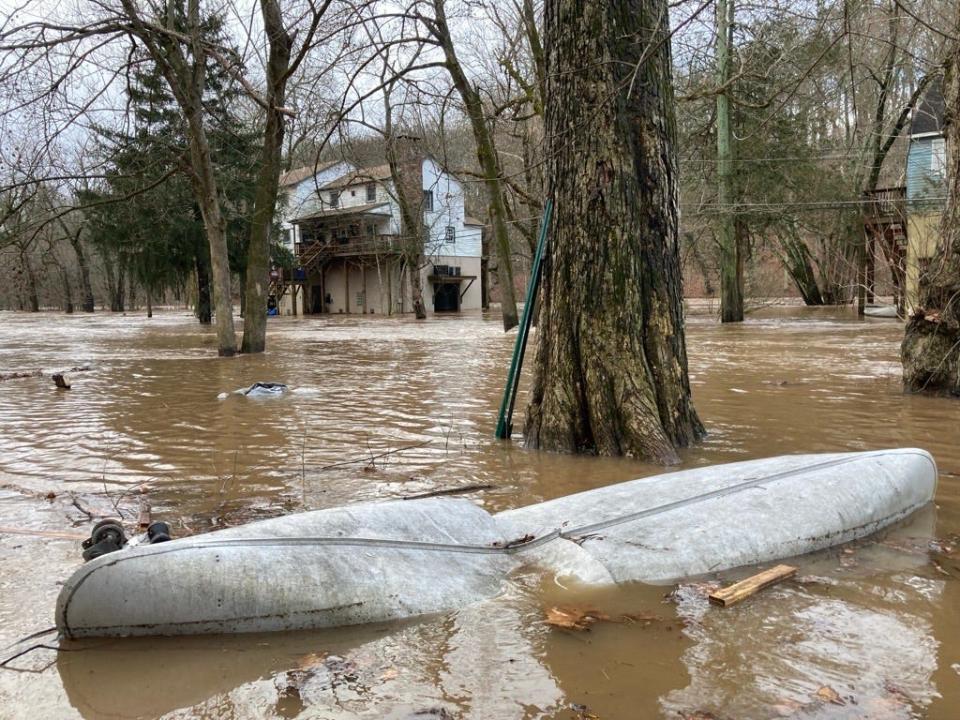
x=311, y=254
x=885, y=206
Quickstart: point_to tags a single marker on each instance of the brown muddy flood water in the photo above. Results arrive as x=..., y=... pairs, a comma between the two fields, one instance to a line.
x=878, y=623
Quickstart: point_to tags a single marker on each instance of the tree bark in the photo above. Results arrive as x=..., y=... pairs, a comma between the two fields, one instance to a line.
x=31, y=281
x=67, y=289
x=931, y=343
x=611, y=364
x=87, y=301
x=268, y=181
x=119, y=299
x=215, y=224
x=204, y=309
x=406, y=171
x=795, y=256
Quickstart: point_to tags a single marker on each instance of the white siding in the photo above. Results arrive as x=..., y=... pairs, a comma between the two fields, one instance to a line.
x=302, y=199
x=448, y=211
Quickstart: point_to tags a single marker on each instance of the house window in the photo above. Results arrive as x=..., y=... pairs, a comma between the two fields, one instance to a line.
x=287, y=236
x=428, y=200
x=371, y=192
x=451, y=234
x=938, y=158
x=334, y=198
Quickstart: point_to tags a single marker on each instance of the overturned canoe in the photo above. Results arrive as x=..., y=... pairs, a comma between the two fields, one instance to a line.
x=382, y=561
x=693, y=522
x=881, y=311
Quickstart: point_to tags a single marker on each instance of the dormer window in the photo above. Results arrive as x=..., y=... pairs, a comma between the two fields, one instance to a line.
x=371, y=192
x=334, y=198
x=428, y=200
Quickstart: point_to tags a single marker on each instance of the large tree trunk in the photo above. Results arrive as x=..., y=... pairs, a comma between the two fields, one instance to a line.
x=204, y=309
x=611, y=363
x=67, y=289
x=268, y=180
x=931, y=343
x=215, y=224
x=30, y=281
x=87, y=301
x=119, y=299
x=406, y=171
x=796, y=260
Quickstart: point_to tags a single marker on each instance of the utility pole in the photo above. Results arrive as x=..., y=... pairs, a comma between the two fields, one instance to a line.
x=731, y=268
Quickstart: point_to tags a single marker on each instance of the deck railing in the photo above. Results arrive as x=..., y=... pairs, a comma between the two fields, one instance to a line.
x=885, y=204
x=308, y=252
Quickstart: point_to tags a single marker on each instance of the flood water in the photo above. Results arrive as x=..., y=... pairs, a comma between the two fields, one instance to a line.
x=401, y=408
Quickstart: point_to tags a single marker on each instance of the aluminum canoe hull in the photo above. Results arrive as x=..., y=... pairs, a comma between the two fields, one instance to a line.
x=375, y=562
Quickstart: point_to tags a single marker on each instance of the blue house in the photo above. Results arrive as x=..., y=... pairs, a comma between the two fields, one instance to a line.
x=926, y=186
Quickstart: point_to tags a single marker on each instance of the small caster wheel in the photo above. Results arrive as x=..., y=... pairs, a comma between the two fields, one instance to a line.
x=108, y=530
x=158, y=532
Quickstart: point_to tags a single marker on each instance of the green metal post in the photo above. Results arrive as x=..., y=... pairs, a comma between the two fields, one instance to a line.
x=505, y=419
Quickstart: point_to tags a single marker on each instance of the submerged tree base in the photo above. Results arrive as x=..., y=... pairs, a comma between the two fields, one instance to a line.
x=611, y=365
x=931, y=356
x=931, y=343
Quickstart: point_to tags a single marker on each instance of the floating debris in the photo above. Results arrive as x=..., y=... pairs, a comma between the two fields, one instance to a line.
x=570, y=618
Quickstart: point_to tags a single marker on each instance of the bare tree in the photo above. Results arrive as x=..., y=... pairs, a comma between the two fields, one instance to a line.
x=439, y=29
x=283, y=60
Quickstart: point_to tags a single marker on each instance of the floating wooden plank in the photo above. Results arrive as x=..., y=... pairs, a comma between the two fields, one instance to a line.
x=144, y=517
x=733, y=594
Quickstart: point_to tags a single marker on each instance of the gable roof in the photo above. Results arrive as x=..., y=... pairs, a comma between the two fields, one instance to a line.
x=299, y=174
x=363, y=175
x=928, y=115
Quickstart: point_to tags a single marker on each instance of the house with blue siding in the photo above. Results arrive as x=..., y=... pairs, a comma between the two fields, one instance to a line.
x=347, y=238
x=926, y=186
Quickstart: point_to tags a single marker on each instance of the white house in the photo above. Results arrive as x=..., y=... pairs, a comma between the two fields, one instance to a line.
x=347, y=237
x=299, y=187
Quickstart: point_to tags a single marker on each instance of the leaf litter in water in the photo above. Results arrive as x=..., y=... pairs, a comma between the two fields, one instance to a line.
x=828, y=694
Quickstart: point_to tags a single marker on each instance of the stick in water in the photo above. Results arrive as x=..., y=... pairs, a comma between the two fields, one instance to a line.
x=745, y=588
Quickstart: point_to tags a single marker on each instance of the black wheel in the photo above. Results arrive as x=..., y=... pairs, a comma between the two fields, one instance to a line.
x=101, y=548
x=158, y=532
x=109, y=530
x=102, y=523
